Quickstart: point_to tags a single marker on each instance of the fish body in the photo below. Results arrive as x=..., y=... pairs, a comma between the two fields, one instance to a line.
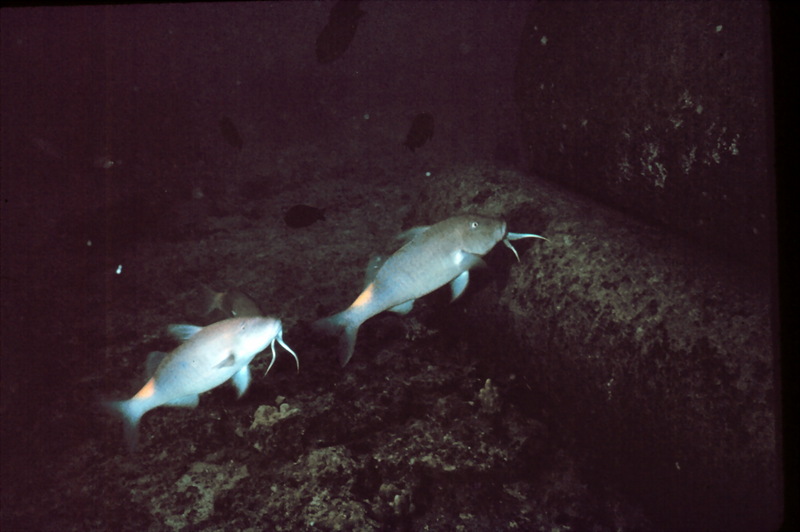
x=420, y=132
x=432, y=257
x=208, y=357
x=232, y=303
x=303, y=215
x=338, y=33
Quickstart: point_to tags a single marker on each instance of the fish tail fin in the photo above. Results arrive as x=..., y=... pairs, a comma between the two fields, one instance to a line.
x=131, y=412
x=211, y=300
x=343, y=325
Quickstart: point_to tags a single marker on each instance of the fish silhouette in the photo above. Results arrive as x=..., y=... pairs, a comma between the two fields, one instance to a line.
x=230, y=133
x=303, y=215
x=338, y=33
x=420, y=131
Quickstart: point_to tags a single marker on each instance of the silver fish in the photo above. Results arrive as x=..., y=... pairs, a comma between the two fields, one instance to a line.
x=432, y=257
x=208, y=357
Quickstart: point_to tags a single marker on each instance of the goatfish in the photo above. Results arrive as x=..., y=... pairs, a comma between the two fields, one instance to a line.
x=431, y=257
x=232, y=303
x=208, y=357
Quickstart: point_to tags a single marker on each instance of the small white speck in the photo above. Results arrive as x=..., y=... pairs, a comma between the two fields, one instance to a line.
x=89, y=243
x=119, y=269
x=584, y=122
x=719, y=28
x=677, y=466
x=427, y=174
x=543, y=40
x=699, y=109
x=366, y=116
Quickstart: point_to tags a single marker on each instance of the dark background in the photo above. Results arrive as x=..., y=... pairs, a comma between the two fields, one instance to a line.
x=624, y=376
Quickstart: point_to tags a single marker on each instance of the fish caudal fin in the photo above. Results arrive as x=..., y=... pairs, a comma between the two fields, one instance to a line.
x=131, y=412
x=211, y=300
x=340, y=324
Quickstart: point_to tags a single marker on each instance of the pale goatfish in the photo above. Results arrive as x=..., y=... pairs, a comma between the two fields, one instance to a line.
x=208, y=357
x=232, y=303
x=432, y=257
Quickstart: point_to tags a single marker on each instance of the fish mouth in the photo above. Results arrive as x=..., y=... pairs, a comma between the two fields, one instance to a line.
x=509, y=236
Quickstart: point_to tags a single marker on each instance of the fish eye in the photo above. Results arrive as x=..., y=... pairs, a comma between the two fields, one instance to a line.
x=474, y=225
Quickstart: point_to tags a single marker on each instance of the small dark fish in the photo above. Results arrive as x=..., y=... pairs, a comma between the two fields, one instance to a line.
x=303, y=215
x=421, y=130
x=338, y=33
x=230, y=133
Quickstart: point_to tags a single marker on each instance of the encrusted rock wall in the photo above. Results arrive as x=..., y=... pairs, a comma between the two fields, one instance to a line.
x=659, y=108
x=655, y=359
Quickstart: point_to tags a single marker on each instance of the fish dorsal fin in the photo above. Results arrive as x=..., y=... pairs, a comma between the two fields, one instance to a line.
x=154, y=359
x=412, y=233
x=183, y=331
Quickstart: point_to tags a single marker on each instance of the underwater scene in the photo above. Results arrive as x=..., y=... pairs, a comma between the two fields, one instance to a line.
x=341, y=265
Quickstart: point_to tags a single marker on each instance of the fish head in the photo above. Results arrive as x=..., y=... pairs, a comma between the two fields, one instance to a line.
x=479, y=234
x=252, y=335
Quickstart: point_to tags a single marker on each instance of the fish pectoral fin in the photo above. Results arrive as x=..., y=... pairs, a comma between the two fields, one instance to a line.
x=459, y=284
x=227, y=362
x=241, y=380
x=467, y=261
x=154, y=359
x=403, y=308
x=187, y=401
x=183, y=331
x=412, y=233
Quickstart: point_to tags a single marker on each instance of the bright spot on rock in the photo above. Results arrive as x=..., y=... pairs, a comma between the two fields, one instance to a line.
x=427, y=174
x=699, y=109
x=366, y=116
x=543, y=40
x=89, y=243
x=119, y=269
x=719, y=28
